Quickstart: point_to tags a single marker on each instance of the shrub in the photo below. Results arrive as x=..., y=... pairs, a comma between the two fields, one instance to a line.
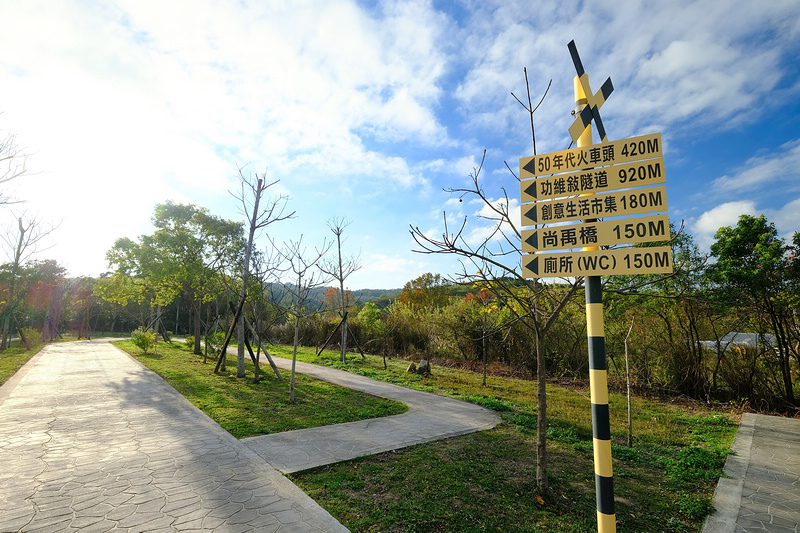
x=214, y=341
x=143, y=339
x=32, y=337
x=190, y=341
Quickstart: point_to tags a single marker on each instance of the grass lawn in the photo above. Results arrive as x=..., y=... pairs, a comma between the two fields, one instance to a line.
x=246, y=409
x=484, y=481
x=487, y=481
x=15, y=357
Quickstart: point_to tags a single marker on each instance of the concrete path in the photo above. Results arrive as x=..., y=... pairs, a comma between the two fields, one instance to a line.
x=429, y=417
x=762, y=490
x=92, y=441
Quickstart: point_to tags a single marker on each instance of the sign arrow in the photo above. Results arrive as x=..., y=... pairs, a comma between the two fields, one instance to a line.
x=533, y=240
x=530, y=214
x=531, y=189
x=533, y=266
x=530, y=166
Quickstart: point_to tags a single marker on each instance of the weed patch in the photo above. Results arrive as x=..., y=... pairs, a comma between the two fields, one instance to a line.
x=15, y=357
x=490, y=402
x=694, y=462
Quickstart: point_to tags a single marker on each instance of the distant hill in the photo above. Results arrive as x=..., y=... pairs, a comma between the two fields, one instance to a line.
x=380, y=297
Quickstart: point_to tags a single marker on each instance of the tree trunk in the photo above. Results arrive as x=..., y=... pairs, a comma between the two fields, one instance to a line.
x=541, y=417
x=342, y=299
x=628, y=382
x=294, y=355
x=222, y=354
x=12, y=288
x=344, y=338
x=198, y=333
x=483, y=347
x=783, y=354
x=245, y=273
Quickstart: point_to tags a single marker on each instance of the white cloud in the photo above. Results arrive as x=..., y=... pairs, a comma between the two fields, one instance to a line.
x=771, y=172
x=487, y=219
x=726, y=214
x=706, y=225
x=786, y=218
x=715, y=60
x=364, y=108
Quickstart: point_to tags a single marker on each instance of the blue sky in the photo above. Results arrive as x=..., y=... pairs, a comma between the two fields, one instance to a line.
x=367, y=110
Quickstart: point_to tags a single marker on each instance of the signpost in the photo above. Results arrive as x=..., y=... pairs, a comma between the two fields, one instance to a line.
x=605, y=153
x=612, y=204
x=593, y=181
x=605, y=233
x=616, y=262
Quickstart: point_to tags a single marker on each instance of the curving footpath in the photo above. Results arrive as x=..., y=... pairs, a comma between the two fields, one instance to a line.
x=429, y=417
x=90, y=440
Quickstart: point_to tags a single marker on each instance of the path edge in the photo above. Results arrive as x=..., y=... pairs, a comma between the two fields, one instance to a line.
x=8, y=387
x=728, y=495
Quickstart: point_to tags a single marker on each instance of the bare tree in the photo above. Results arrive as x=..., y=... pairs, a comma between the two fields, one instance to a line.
x=12, y=164
x=340, y=269
x=302, y=263
x=265, y=303
x=24, y=242
x=259, y=217
x=496, y=261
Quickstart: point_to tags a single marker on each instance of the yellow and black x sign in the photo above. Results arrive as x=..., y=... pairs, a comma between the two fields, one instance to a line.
x=595, y=101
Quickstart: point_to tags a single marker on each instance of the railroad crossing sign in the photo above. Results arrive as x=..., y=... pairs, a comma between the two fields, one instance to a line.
x=594, y=101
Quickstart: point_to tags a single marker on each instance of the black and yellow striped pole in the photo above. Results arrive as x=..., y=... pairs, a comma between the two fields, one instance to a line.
x=598, y=368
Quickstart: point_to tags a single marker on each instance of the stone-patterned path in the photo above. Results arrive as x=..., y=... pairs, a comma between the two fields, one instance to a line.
x=762, y=490
x=429, y=417
x=92, y=441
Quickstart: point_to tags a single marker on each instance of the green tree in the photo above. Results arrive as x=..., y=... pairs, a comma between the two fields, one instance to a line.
x=428, y=290
x=186, y=255
x=756, y=269
x=677, y=309
x=21, y=242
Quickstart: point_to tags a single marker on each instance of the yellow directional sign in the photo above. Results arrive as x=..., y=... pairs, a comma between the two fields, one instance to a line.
x=612, y=204
x=605, y=233
x=595, y=155
x=617, y=262
x=615, y=177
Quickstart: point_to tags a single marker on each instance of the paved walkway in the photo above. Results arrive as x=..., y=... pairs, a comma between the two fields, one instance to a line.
x=90, y=440
x=429, y=417
x=762, y=490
